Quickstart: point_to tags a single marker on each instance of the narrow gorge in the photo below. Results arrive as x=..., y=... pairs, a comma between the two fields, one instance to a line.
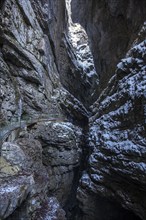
x=72, y=110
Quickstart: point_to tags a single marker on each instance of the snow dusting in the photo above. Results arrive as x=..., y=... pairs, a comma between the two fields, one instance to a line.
x=79, y=41
x=8, y=189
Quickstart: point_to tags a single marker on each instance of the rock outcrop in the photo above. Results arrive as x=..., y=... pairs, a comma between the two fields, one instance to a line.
x=65, y=143
x=25, y=182
x=61, y=142
x=23, y=177
x=117, y=136
x=112, y=26
x=40, y=146
x=30, y=73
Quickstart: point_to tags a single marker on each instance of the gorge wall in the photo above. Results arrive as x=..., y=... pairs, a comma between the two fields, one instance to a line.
x=112, y=27
x=72, y=113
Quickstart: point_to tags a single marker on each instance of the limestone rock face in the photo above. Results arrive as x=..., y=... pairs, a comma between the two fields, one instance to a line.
x=117, y=136
x=111, y=26
x=13, y=192
x=25, y=182
x=50, y=210
x=15, y=184
x=65, y=143
x=61, y=142
x=22, y=176
x=28, y=67
x=40, y=156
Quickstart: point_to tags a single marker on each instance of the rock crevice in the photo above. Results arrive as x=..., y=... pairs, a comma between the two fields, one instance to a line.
x=72, y=110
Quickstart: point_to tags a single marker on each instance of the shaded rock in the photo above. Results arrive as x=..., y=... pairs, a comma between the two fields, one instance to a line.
x=50, y=210
x=28, y=69
x=110, y=36
x=117, y=165
x=13, y=191
x=47, y=81
x=61, y=142
x=24, y=179
x=72, y=107
x=15, y=186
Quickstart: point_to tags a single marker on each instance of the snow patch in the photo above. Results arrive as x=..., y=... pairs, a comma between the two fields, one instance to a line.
x=8, y=189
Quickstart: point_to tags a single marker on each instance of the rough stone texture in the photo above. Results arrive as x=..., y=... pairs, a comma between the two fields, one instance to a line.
x=24, y=183
x=81, y=66
x=30, y=91
x=27, y=57
x=26, y=156
x=117, y=136
x=111, y=26
x=51, y=165
x=50, y=210
x=13, y=191
x=45, y=94
x=61, y=142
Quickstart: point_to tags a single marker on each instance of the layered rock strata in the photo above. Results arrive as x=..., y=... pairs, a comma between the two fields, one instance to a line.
x=47, y=82
x=117, y=136
x=40, y=147
x=112, y=26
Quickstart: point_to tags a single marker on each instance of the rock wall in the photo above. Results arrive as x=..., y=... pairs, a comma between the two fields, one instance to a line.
x=117, y=136
x=28, y=48
x=112, y=26
x=52, y=131
x=40, y=146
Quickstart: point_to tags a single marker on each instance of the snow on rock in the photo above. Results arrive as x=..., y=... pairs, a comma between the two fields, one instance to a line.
x=51, y=210
x=13, y=191
x=23, y=178
x=117, y=135
x=79, y=42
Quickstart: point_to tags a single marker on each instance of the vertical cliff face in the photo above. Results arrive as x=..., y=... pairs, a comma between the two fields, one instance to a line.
x=65, y=142
x=40, y=146
x=115, y=177
x=27, y=56
x=83, y=73
x=117, y=136
x=111, y=26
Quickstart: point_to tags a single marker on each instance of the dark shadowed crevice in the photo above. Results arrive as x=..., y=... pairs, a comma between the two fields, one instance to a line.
x=72, y=207
x=105, y=209
x=80, y=77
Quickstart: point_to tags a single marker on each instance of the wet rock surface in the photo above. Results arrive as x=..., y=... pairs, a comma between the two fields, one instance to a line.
x=31, y=91
x=27, y=58
x=13, y=192
x=25, y=180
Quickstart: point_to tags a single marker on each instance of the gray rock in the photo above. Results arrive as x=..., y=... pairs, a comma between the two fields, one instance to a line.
x=110, y=36
x=13, y=192
x=50, y=210
x=61, y=142
x=23, y=179
x=117, y=164
x=46, y=89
